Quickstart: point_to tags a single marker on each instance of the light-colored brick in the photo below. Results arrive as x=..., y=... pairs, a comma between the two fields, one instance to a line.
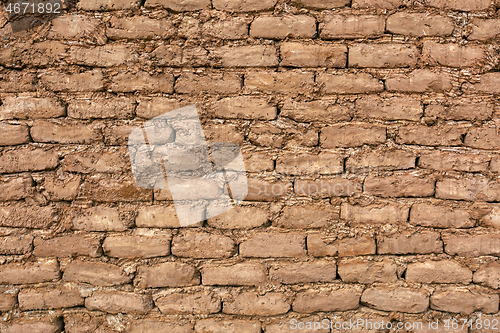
x=448, y=160
x=349, y=83
x=202, y=245
x=245, y=56
x=396, y=299
x=119, y=302
x=471, y=245
x=247, y=6
x=46, y=299
x=320, y=246
x=102, y=56
x=387, y=55
x=143, y=82
x=71, y=26
x=273, y=245
x=279, y=82
x=43, y=324
x=201, y=302
x=461, y=109
x=303, y=217
x=102, y=219
x=296, y=54
x=138, y=246
x=437, y=216
x=486, y=137
x=30, y=272
x=64, y=132
x=420, y=24
x=484, y=29
x=243, y=107
x=491, y=218
x=92, y=5
x=139, y=27
x=61, y=188
x=381, y=160
x=419, y=81
x=327, y=300
x=388, y=4
x=337, y=187
x=304, y=272
x=396, y=108
x=252, y=304
x=31, y=108
x=308, y=164
x=486, y=83
x=167, y=274
x=190, y=83
x=151, y=107
x=488, y=275
x=86, y=81
x=382, y=213
x=157, y=217
x=228, y=28
x=337, y=26
x=239, y=274
x=423, y=242
x=468, y=189
x=262, y=190
x=16, y=188
x=400, y=185
x=152, y=326
x=27, y=216
x=315, y=111
x=464, y=301
x=95, y=273
x=16, y=244
x=442, y=271
x=13, y=134
x=68, y=246
x=368, y=272
x=122, y=108
x=321, y=4
x=240, y=217
x=352, y=135
x=227, y=326
x=452, y=55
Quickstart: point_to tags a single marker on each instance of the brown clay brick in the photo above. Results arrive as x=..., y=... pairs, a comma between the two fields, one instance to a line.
x=400, y=185
x=460, y=5
x=422, y=242
x=13, y=134
x=16, y=188
x=319, y=246
x=304, y=272
x=484, y=29
x=382, y=213
x=419, y=81
x=446, y=135
x=16, y=244
x=387, y=55
x=86, y=81
x=229, y=28
x=68, y=246
x=273, y=245
x=26, y=216
x=121, y=108
x=252, y=304
x=279, y=82
x=396, y=299
x=240, y=217
x=200, y=302
x=352, y=135
x=95, y=273
x=137, y=246
x=327, y=300
x=239, y=274
x=245, y=56
x=349, y=83
x=31, y=272
x=304, y=217
x=143, y=82
x=92, y=5
x=443, y=271
x=436, y=216
x=381, y=160
x=471, y=245
x=31, y=108
x=488, y=275
x=119, y=302
x=167, y=274
x=315, y=111
x=102, y=219
x=189, y=83
x=295, y=54
x=337, y=26
x=64, y=132
x=247, y=6
x=367, y=272
x=202, y=245
x=396, y=108
x=447, y=160
x=139, y=27
x=464, y=301
x=419, y=24
x=452, y=55
x=243, y=107
x=227, y=326
x=49, y=299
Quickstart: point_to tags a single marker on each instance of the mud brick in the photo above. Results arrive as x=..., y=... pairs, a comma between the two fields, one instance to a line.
x=383, y=213
x=352, y=135
x=420, y=24
x=46, y=299
x=95, y=273
x=461, y=109
x=337, y=26
x=253, y=304
x=452, y=55
x=327, y=188
x=202, y=245
x=468, y=189
x=105, y=5
x=464, y=301
x=64, y=132
x=31, y=272
x=279, y=82
x=315, y=111
x=273, y=245
x=443, y=271
x=484, y=29
x=327, y=300
x=14, y=81
x=239, y=274
x=16, y=244
x=157, y=217
x=119, y=302
x=308, y=164
x=381, y=160
x=321, y=270
x=190, y=83
x=179, y=5
x=149, y=108
x=446, y=135
x=167, y=274
x=102, y=56
x=245, y=56
x=86, y=81
x=224, y=133
x=240, y=217
x=142, y=82
x=471, y=245
x=61, y=189
x=44, y=324
x=294, y=26
x=200, y=302
x=388, y=4
x=13, y=134
x=68, y=246
x=231, y=28
x=286, y=324
x=486, y=137
x=396, y=299
x=16, y=188
x=488, y=275
x=423, y=242
x=419, y=81
x=400, y=185
x=488, y=84
x=437, y=216
x=101, y=162
x=102, y=219
x=244, y=107
x=444, y=160
x=138, y=246
x=258, y=162
x=151, y=325
x=396, y=108
x=31, y=108
x=139, y=27
x=460, y=5
x=387, y=55
x=7, y=301
x=71, y=26
x=319, y=246
x=321, y=4
x=121, y=108
x=247, y=6
x=295, y=54
x=107, y=189
x=26, y=216
x=263, y=190
x=310, y=216
x=176, y=56
x=349, y=83
x=228, y=326
x=367, y=271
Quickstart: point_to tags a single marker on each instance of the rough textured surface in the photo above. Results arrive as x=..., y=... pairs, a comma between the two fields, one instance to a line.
x=369, y=130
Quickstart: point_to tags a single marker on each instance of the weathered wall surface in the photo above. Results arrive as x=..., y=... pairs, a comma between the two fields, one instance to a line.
x=371, y=141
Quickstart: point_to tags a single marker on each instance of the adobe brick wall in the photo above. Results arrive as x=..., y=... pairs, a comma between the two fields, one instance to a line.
x=370, y=132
